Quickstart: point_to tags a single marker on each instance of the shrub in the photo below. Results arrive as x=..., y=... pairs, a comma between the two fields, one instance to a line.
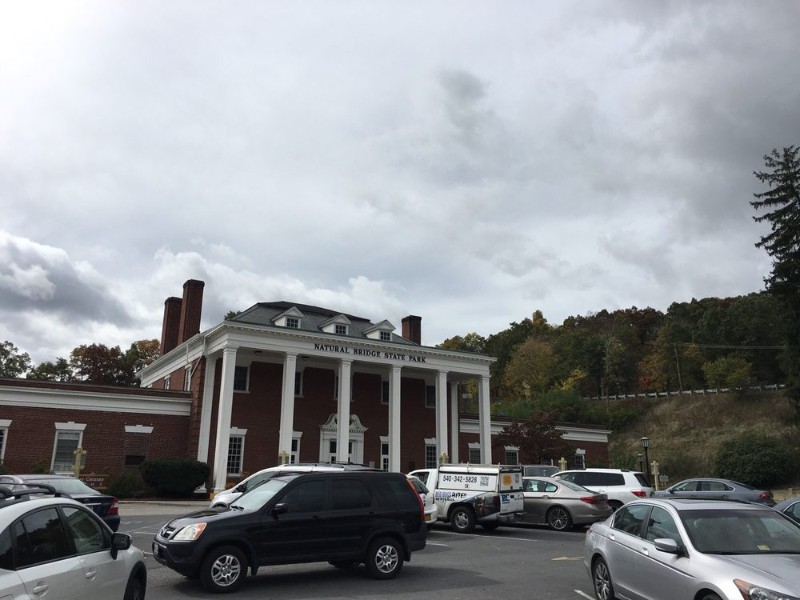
x=755, y=459
x=40, y=467
x=127, y=484
x=174, y=477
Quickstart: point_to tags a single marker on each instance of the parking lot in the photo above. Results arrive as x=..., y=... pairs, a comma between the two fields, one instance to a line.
x=517, y=562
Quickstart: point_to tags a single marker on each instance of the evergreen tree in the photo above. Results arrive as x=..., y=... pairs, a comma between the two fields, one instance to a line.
x=782, y=205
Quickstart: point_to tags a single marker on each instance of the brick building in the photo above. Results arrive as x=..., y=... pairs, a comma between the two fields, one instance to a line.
x=267, y=386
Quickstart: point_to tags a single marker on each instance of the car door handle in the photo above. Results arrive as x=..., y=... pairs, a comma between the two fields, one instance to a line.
x=91, y=574
x=41, y=589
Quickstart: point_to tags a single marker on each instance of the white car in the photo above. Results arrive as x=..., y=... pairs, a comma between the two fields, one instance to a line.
x=620, y=485
x=51, y=545
x=431, y=510
x=226, y=497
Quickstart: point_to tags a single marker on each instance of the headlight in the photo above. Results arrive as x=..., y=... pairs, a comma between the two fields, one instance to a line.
x=190, y=532
x=756, y=592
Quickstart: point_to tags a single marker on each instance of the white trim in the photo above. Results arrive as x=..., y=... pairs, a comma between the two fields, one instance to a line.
x=138, y=429
x=5, y=422
x=106, y=401
x=70, y=426
x=238, y=431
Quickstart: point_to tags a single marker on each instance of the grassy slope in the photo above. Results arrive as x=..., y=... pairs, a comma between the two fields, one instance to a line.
x=686, y=431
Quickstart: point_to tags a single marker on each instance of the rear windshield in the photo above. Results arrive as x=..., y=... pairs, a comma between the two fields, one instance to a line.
x=68, y=486
x=642, y=479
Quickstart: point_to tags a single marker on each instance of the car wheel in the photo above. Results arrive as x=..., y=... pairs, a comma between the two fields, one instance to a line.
x=462, y=520
x=490, y=525
x=614, y=504
x=223, y=569
x=711, y=596
x=601, y=578
x=384, y=558
x=558, y=518
x=135, y=589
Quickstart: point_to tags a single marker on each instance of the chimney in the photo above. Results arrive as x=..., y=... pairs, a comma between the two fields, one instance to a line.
x=412, y=329
x=191, y=309
x=170, y=326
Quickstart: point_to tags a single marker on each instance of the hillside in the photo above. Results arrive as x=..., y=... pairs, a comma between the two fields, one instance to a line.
x=686, y=431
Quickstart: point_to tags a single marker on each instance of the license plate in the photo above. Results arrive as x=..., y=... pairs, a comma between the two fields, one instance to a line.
x=156, y=550
x=427, y=517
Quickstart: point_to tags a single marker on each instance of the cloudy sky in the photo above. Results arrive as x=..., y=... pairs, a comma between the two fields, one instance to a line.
x=468, y=162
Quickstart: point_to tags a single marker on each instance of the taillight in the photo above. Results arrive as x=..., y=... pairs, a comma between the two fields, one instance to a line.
x=419, y=500
x=114, y=510
x=639, y=493
x=765, y=496
x=590, y=499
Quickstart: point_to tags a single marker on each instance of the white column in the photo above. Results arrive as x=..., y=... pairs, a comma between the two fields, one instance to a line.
x=205, y=410
x=224, y=418
x=485, y=421
x=287, y=409
x=343, y=416
x=441, y=416
x=454, y=424
x=394, y=420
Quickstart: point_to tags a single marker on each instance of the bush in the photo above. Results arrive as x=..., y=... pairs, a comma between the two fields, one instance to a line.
x=755, y=459
x=174, y=477
x=127, y=484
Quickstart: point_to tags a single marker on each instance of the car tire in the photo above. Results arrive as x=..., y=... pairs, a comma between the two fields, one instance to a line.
x=558, y=518
x=601, y=580
x=135, y=589
x=711, y=596
x=615, y=504
x=462, y=520
x=223, y=569
x=384, y=558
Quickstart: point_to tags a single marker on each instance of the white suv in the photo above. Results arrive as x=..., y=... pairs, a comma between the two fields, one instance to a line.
x=53, y=545
x=620, y=485
x=226, y=497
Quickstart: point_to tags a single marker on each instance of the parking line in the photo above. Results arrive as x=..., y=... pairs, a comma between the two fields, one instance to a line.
x=580, y=593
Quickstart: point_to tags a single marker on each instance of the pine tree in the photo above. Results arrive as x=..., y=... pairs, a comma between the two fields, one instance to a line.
x=782, y=203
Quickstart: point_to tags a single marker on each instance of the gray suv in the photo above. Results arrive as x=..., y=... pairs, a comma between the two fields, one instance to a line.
x=620, y=485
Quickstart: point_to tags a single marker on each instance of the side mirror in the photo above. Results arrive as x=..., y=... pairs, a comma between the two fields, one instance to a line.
x=667, y=545
x=279, y=509
x=120, y=541
x=242, y=487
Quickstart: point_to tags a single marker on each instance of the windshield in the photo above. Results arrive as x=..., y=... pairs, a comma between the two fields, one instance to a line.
x=258, y=496
x=68, y=486
x=741, y=532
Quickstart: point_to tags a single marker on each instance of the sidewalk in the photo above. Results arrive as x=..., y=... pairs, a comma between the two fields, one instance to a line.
x=132, y=508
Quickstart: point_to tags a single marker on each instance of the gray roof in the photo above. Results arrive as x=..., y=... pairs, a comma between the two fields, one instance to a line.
x=314, y=317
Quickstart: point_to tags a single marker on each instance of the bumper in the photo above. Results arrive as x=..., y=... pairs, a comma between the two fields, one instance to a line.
x=416, y=541
x=179, y=558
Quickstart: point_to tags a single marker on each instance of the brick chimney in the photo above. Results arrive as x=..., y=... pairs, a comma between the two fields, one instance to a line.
x=412, y=329
x=171, y=325
x=191, y=309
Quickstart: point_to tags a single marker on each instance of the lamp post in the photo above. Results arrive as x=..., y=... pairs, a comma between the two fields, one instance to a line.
x=639, y=460
x=646, y=445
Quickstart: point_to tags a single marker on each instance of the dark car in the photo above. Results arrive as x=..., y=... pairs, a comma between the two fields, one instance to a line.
x=716, y=488
x=104, y=506
x=790, y=507
x=345, y=518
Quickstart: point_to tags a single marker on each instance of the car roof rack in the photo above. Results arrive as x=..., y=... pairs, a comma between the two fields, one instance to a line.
x=12, y=496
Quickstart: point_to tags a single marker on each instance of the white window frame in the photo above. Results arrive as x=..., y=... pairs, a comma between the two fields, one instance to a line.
x=166, y=382
x=236, y=434
x=340, y=329
x=429, y=403
x=384, y=453
x=246, y=378
x=70, y=428
x=512, y=450
x=385, y=336
x=294, y=454
x=431, y=457
x=474, y=447
x=293, y=322
x=5, y=425
x=298, y=382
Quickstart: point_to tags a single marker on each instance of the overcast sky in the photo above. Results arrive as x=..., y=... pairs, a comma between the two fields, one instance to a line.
x=467, y=162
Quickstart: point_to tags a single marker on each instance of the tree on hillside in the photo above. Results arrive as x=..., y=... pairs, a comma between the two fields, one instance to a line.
x=13, y=363
x=471, y=342
x=781, y=203
x=537, y=438
x=530, y=372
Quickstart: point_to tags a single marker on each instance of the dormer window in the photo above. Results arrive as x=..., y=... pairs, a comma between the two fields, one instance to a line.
x=291, y=319
x=386, y=336
x=341, y=329
x=338, y=325
x=382, y=331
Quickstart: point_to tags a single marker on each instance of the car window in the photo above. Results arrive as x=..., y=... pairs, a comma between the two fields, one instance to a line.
x=6, y=551
x=418, y=485
x=793, y=511
x=741, y=531
x=258, y=497
x=40, y=537
x=86, y=532
x=661, y=525
x=630, y=518
x=349, y=494
x=575, y=487
x=569, y=477
x=715, y=486
x=686, y=486
x=642, y=479
x=307, y=496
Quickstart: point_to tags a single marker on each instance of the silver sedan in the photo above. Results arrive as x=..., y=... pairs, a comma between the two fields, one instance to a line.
x=707, y=487
x=561, y=504
x=685, y=549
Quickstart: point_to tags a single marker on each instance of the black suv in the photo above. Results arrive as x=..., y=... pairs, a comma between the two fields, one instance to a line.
x=346, y=518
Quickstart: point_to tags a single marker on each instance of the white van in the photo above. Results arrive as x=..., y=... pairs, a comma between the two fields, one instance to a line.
x=465, y=494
